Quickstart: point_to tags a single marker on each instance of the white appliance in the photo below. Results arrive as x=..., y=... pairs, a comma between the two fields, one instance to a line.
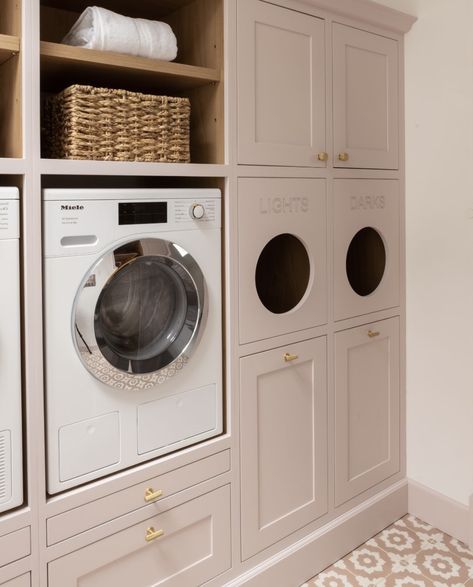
x=11, y=459
x=133, y=321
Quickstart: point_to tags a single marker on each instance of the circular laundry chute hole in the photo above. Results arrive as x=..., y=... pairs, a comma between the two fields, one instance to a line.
x=366, y=261
x=282, y=273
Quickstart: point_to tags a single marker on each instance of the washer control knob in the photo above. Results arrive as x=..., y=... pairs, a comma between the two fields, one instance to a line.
x=197, y=211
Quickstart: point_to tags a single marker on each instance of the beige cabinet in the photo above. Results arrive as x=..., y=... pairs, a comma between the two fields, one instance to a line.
x=23, y=581
x=367, y=407
x=187, y=545
x=283, y=442
x=14, y=546
x=281, y=86
x=365, y=99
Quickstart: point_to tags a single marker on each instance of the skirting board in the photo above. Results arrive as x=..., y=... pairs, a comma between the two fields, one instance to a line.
x=440, y=511
x=311, y=555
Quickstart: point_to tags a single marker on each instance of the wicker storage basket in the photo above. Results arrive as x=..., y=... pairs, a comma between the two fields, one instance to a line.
x=84, y=122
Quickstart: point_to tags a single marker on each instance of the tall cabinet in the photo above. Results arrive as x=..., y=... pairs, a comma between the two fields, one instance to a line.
x=320, y=96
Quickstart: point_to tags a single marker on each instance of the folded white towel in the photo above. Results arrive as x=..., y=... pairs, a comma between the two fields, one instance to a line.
x=102, y=29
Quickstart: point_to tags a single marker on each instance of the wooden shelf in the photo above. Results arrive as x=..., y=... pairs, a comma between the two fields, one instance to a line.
x=63, y=65
x=138, y=168
x=9, y=46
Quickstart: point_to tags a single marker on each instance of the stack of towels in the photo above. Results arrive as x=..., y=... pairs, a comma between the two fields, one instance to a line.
x=102, y=29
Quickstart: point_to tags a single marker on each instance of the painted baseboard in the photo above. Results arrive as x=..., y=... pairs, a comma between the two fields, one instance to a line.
x=440, y=511
x=312, y=554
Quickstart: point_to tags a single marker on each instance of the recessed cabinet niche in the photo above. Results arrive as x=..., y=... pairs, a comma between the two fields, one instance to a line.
x=283, y=441
x=367, y=407
x=197, y=73
x=10, y=79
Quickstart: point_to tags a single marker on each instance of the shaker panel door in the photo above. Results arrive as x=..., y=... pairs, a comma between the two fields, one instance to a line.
x=367, y=407
x=281, y=86
x=365, y=99
x=283, y=442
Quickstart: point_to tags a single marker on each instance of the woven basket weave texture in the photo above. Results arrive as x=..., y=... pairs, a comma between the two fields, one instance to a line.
x=85, y=122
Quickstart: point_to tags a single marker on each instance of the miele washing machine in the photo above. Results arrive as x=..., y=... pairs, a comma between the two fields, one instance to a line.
x=133, y=327
x=11, y=459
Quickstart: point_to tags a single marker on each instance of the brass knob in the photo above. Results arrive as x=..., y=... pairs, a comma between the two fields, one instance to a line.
x=288, y=357
x=151, y=494
x=372, y=334
x=322, y=156
x=152, y=534
x=343, y=156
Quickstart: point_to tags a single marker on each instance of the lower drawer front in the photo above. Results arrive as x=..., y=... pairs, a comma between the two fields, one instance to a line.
x=14, y=546
x=23, y=581
x=194, y=547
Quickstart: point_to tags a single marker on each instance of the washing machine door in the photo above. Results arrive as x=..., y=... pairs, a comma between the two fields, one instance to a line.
x=138, y=313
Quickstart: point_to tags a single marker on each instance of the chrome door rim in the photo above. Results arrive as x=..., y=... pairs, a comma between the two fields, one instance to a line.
x=107, y=366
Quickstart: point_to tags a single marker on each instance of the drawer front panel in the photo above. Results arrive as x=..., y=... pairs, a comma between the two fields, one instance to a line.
x=194, y=547
x=112, y=506
x=14, y=546
x=23, y=581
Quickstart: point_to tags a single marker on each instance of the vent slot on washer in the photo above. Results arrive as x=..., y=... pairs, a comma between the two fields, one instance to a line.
x=5, y=466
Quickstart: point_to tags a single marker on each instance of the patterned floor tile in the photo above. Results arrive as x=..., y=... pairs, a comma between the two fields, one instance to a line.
x=408, y=580
x=396, y=539
x=410, y=553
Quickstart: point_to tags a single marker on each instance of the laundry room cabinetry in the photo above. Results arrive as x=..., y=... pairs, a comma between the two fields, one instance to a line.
x=281, y=81
x=283, y=442
x=22, y=581
x=197, y=73
x=15, y=546
x=10, y=79
x=283, y=74
x=186, y=545
x=367, y=407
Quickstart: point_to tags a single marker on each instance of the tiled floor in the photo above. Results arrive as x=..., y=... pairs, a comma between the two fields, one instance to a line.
x=410, y=553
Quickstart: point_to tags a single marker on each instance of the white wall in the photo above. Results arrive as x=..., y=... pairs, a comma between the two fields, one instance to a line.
x=439, y=127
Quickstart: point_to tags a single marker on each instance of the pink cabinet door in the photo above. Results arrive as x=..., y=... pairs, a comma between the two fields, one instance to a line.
x=365, y=99
x=194, y=548
x=367, y=407
x=23, y=581
x=283, y=421
x=281, y=86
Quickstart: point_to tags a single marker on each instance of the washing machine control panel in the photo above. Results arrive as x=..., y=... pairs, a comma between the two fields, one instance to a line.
x=200, y=210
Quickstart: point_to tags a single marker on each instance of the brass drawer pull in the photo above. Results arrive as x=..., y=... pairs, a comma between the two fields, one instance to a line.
x=372, y=334
x=322, y=156
x=288, y=357
x=343, y=156
x=151, y=494
x=152, y=534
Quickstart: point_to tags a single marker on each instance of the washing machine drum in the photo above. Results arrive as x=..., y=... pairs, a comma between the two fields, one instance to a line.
x=138, y=313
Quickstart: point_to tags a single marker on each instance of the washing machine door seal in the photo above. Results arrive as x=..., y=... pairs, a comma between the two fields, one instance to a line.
x=139, y=313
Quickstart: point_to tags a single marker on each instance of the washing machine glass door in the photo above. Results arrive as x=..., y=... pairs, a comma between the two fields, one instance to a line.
x=138, y=313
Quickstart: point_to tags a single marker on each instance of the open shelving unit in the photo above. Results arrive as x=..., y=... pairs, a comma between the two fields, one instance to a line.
x=197, y=72
x=10, y=80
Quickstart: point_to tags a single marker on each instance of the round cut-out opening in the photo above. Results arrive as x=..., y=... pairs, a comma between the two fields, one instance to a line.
x=282, y=273
x=366, y=261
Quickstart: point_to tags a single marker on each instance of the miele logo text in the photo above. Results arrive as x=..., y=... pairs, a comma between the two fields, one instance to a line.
x=367, y=202
x=68, y=207
x=283, y=205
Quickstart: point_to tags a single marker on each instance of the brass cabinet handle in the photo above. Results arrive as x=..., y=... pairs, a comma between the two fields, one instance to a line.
x=343, y=156
x=288, y=357
x=373, y=334
x=152, y=534
x=322, y=156
x=151, y=494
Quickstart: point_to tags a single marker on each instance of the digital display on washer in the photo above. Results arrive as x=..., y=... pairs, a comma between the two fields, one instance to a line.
x=142, y=213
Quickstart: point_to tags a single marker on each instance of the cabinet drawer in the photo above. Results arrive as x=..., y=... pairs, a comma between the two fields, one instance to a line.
x=112, y=506
x=194, y=547
x=14, y=546
x=23, y=581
